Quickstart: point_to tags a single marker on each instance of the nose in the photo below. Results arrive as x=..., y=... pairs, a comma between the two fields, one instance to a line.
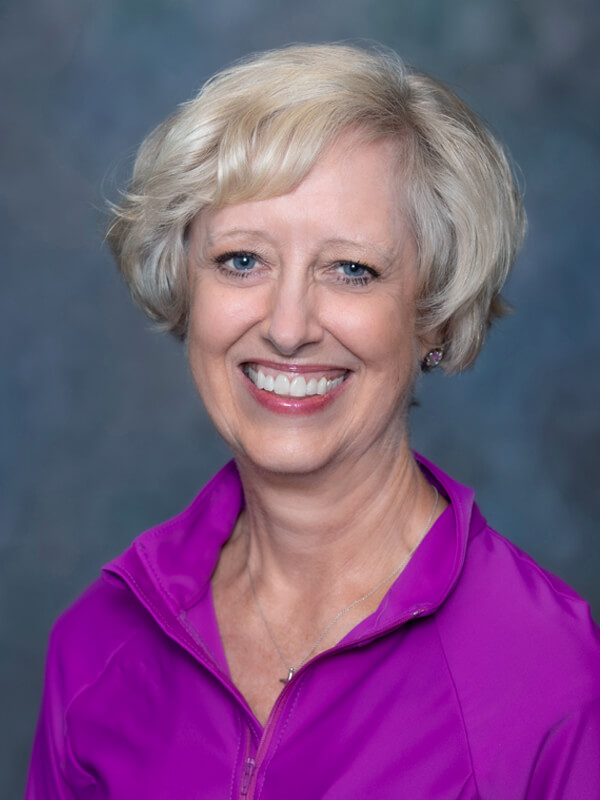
x=293, y=321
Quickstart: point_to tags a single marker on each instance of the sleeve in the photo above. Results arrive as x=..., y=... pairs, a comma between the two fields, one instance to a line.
x=568, y=762
x=47, y=778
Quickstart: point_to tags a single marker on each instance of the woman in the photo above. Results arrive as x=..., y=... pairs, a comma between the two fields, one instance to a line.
x=331, y=617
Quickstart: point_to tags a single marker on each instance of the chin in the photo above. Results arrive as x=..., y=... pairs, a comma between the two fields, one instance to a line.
x=285, y=459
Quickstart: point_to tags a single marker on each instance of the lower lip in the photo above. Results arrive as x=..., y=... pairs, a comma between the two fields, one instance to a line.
x=285, y=404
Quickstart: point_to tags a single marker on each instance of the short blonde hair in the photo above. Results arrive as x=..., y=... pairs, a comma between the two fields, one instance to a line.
x=256, y=129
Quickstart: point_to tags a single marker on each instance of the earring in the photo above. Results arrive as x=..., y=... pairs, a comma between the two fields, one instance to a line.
x=433, y=358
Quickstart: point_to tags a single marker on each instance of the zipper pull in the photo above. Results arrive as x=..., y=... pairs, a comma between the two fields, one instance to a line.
x=247, y=775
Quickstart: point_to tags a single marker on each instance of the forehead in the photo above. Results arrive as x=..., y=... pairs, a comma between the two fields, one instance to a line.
x=353, y=192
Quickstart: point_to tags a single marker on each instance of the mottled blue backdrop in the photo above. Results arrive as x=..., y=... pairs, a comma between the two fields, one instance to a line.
x=102, y=434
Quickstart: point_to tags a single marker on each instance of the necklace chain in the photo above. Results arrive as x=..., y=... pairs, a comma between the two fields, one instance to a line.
x=292, y=670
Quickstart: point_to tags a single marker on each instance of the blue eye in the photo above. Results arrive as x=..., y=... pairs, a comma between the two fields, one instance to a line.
x=353, y=273
x=352, y=270
x=237, y=264
x=242, y=262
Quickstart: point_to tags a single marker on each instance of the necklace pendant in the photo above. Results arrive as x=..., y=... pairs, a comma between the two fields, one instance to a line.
x=289, y=677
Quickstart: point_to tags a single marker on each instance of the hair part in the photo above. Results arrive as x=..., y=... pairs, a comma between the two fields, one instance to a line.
x=256, y=129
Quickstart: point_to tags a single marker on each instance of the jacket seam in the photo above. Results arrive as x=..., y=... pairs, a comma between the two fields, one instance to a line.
x=475, y=532
x=147, y=599
x=182, y=617
x=534, y=566
x=82, y=689
x=550, y=731
x=156, y=575
x=458, y=703
x=73, y=758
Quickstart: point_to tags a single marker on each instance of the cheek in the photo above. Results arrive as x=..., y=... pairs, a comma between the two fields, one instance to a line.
x=381, y=333
x=218, y=318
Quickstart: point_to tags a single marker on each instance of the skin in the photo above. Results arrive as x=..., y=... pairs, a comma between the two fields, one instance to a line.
x=333, y=497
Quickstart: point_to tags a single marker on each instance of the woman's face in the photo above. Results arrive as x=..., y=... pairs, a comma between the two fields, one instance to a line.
x=302, y=328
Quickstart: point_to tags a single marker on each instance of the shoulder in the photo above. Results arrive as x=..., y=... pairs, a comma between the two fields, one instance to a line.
x=85, y=637
x=524, y=657
x=519, y=619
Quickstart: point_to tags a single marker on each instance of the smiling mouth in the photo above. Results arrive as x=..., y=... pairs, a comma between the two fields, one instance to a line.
x=295, y=386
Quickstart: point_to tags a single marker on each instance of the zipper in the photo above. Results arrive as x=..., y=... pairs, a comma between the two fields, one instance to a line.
x=249, y=765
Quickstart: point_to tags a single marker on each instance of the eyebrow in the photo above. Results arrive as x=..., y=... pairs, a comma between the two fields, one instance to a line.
x=339, y=241
x=335, y=241
x=254, y=234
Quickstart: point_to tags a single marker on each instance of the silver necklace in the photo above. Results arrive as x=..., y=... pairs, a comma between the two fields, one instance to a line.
x=292, y=670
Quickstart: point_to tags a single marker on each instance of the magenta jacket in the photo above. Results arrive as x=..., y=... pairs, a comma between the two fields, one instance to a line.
x=477, y=677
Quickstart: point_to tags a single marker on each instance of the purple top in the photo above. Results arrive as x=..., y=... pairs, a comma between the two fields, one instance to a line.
x=477, y=677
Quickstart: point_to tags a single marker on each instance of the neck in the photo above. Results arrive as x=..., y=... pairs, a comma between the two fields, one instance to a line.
x=335, y=531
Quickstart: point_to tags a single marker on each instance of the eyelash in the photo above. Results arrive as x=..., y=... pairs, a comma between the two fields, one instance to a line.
x=363, y=280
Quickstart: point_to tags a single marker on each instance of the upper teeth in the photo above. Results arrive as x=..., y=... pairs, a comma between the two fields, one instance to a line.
x=297, y=387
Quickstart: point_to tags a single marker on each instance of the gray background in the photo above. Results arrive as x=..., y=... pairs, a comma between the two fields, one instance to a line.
x=102, y=434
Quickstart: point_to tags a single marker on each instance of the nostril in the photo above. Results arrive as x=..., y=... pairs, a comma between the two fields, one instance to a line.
x=290, y=329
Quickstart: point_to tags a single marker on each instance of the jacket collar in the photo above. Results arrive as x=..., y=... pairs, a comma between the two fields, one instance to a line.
x=169, y=567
